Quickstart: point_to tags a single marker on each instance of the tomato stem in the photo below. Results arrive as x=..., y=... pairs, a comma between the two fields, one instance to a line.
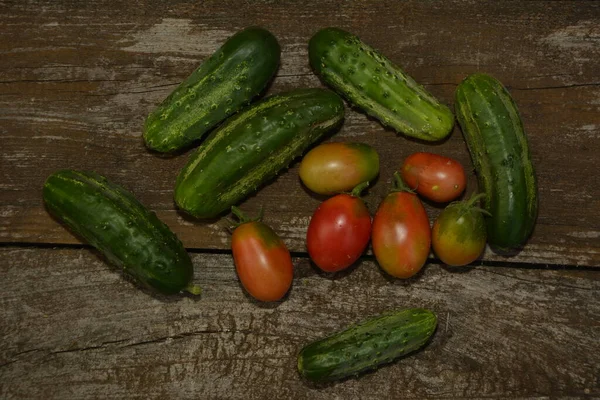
x=359, y=189
x=238, y=213
x=399, y=185
x=242, y=218
x=475, y=197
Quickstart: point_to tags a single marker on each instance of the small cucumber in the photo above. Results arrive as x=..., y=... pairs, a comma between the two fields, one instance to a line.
x=368, y=345
x=228, y=80
x=499, y=149
x=372, y=82
x=252, y=146
x=130, y=236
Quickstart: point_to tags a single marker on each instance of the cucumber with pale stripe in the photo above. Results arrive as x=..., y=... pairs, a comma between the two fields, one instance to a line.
x=369, y=80
x=228, y=80
x=252, y=146
x=499, y=149
x=113, y=221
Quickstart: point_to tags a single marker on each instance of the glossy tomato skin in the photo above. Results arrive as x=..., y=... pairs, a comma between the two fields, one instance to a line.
x=401, y=237
x=459, y=234
x=262, y=261
x=338, y=232
x=332, y=168
x=434, y=176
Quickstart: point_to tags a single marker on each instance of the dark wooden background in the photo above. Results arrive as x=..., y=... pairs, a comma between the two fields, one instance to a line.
x=76, y=82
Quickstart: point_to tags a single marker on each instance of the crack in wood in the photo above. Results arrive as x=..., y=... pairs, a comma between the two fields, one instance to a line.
x=167, y=85
x=19, y=354
x=537, y=282
x=488, y=264
x=574, y=85
x=130, y=343
x=62, y=81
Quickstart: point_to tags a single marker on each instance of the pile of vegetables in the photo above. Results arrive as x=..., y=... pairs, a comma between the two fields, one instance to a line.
x=243, y=142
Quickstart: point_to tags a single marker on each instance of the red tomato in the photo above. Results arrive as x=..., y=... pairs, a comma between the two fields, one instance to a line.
x=338, y=232
x=459, y=233
x=401, y=237
x=433, y=176
x=262, y=261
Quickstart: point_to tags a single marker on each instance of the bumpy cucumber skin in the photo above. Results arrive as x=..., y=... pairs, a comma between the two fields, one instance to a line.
x=373, y=83
x=228, y=80
x=494, y=133
x=368, y=345
x=129, y=235
x=252, y=146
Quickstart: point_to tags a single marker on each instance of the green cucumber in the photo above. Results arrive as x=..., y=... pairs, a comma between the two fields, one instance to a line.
x=368, y=345
x=252, y=146
x=372, y=82
x=228, y=80
x=129, y=235
x=499, y=149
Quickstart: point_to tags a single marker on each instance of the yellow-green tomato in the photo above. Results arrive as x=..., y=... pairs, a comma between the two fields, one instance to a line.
x=338, y=167
x=459, y=234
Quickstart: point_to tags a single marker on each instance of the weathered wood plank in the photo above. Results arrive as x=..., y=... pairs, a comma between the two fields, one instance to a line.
x=71, y=327
x=76, y=81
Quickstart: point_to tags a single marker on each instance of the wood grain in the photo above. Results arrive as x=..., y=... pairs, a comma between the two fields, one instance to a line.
x=71, y=327
x=77, y=80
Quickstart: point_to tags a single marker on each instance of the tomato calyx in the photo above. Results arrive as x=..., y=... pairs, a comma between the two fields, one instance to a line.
x=242, y=218
x=466, y=206
x=398, y=184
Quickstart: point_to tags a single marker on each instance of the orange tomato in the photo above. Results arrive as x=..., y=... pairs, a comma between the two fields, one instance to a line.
x=262, y=261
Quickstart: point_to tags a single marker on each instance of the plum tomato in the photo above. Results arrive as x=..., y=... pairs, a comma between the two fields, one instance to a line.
x=434, y=176
x=262, y=261
x=459, y=233
x=401, y=237
x=332, y=168
x=339, y=231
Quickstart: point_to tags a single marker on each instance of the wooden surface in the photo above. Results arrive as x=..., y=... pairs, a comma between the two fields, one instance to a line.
x=76, y=82
x=503, y=332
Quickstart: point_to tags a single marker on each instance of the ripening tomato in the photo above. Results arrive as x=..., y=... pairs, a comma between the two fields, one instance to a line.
x=338, y=167
x=433, y=176
x=459, y=233
x=338, y=232
x=262, y=261
x=401, y=237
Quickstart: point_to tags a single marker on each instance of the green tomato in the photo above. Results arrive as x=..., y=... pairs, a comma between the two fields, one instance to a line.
x=459, y=234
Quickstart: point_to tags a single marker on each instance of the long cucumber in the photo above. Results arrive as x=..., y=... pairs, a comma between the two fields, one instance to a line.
x=499, y=149
x=252, y=146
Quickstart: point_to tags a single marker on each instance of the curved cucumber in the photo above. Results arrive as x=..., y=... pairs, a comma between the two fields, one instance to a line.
x=494, y=133
x=373, y=83
x=252, y=147
x=120, y=227
x=368, y=345
x=235, y=74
